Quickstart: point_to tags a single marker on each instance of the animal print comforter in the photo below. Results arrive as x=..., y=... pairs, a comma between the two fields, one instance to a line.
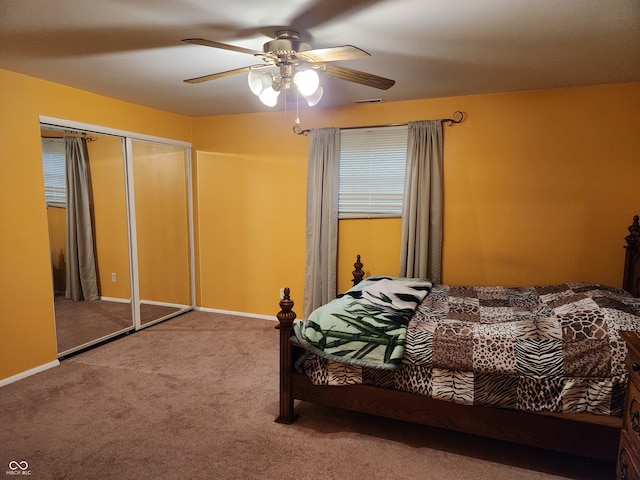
x=554, y=348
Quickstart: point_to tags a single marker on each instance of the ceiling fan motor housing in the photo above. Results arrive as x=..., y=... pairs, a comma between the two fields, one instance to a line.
x=286, y=44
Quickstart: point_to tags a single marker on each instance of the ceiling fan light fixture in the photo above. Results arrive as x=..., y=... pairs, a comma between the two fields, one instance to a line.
x=269, y=96
x=288, y=52
x=259, y=81
x=307, y=82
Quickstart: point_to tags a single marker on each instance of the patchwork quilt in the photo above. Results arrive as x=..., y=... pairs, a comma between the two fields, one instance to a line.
x=548, y=348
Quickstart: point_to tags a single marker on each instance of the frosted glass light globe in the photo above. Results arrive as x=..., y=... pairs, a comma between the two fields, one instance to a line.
x=269, y=97
x=307, y=82
x=259, y=81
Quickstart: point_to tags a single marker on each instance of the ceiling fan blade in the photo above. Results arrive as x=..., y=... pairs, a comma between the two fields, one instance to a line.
x=357, y=76
x=333, y=54
x=224, y=46
x=227, y=73
x=323, y=11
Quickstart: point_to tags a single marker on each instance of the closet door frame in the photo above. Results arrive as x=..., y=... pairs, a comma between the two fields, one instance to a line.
x=129, y=138
x=133, y=247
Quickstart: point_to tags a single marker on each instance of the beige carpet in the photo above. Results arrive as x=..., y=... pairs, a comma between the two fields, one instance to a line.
x=195, y=398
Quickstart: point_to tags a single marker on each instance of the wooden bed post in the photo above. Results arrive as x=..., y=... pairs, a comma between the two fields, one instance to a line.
x=631, y=277
x=358, y=273
x=286, y=316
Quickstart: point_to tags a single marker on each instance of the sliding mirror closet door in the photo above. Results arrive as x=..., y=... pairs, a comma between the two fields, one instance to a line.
x=162, y=230
x=88, y=236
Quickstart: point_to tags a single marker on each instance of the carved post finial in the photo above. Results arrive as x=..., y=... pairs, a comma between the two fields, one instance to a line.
x=358, y=273
x=286, y=315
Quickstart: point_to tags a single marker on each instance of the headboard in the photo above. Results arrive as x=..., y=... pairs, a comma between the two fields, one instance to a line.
x=631, y=277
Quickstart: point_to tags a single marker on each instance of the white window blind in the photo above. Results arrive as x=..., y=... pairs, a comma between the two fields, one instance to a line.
x=54, y=166
x=372, y=165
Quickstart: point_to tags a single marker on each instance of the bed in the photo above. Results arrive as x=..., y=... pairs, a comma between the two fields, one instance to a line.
x=540, y=366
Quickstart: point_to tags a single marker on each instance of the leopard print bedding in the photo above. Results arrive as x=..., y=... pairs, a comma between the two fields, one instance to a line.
x=551, y=348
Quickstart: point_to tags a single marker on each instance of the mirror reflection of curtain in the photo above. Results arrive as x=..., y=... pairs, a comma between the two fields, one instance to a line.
x=82, y=280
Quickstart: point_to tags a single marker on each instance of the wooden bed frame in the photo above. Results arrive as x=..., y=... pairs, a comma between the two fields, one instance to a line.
x=587, y=435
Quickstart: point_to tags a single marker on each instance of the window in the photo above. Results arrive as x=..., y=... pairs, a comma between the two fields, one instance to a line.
x=55, y=177
x=372, y=165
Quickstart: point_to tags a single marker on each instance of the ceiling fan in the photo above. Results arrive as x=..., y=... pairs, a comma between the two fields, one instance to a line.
x=297, y=63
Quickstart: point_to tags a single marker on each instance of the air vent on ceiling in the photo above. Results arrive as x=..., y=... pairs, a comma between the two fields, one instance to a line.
x=370, y=100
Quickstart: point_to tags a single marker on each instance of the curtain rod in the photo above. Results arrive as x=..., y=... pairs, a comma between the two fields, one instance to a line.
x=458, y=117
x=74, y=135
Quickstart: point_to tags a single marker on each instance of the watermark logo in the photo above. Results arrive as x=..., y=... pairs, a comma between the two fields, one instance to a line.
x=18, y=468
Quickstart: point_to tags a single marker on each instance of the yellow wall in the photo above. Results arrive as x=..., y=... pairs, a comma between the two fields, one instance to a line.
x=377, y=241
x=27, y=333
x=540, y=187
x=162, y=228
x=106, y=164
x=251, y=172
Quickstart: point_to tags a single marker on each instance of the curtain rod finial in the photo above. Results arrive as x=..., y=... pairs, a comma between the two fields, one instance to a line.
x=297, y=129
x=458, y=117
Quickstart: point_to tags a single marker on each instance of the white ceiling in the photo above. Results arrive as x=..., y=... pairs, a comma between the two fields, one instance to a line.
x=132, y=49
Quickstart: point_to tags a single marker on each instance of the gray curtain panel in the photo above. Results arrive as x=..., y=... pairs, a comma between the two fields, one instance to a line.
x=421, y=249
x=82, y=280
x=323, y=177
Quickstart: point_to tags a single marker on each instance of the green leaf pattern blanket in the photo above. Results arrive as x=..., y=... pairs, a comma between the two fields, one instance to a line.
x=367, y=325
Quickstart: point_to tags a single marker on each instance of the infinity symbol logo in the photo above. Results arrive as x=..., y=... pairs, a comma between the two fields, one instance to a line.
x=13, y=465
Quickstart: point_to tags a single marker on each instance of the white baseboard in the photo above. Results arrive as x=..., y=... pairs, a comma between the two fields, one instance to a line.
x=238, y=314
x=147, y=302
x=164, y=304
x=117, y=300
x=28, y=373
